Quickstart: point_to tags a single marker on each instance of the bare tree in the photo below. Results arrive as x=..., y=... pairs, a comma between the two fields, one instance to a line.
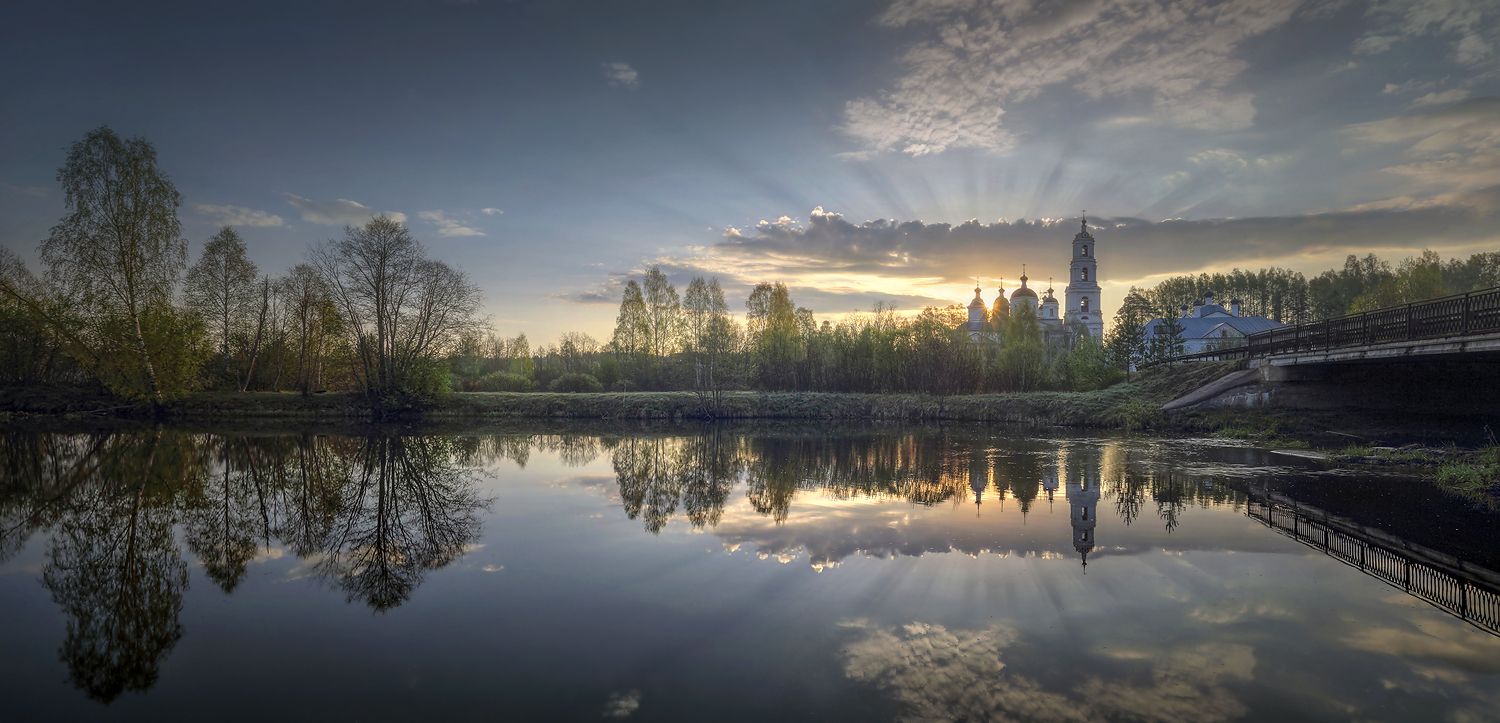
x=119, y=249
x=221, y=288
x=402, y=309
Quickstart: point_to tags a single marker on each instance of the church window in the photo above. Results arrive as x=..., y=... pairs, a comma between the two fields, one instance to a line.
x=1084, y=304
x=1085, y=250
x=1084, y=274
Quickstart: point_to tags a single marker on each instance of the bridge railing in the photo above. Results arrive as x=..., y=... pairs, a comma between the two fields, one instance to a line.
x=1455, y=587
x=1475, y=312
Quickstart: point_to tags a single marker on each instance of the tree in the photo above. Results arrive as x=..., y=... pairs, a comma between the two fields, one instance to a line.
x=402, y=309
x=119, y=250
x=1126, y=343
x=663, y=314
x=632, y=329
x=778, y=346
x=220, y=287
x=314, y=322
x=710, y=335
x=1166, y=343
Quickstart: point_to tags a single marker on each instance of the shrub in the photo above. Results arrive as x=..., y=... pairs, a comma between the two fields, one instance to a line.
x=576, y=382
x=501, y=382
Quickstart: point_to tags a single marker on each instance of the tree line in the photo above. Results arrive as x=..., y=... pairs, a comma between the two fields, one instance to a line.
x=118, y=304
x=1364, y=283
x=666, y=340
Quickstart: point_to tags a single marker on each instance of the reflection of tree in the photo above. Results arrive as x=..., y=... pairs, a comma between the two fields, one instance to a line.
x=656, y=475
x=221, y=516
x=709, y=468
x=114, y=569
x=409, y=509
x=38, y=473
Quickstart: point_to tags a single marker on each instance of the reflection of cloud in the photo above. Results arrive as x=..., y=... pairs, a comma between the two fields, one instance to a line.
x=622, y=704
x=937, y=673
x=1438, y=641
x=1226, y=613
x=492, y=568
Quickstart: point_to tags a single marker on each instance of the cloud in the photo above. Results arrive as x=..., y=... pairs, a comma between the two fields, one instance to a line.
x=1442, y=97
x=621, y=75
x=338, y=212
x=977, y=58
x=622, y=704
x=237, y=215
x=447, y=225
x=1453, y=148
x=883, y=252
x=1469, y=25
x=491, y=211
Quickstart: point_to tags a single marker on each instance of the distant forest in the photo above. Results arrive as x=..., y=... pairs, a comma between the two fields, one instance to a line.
x=118, y=305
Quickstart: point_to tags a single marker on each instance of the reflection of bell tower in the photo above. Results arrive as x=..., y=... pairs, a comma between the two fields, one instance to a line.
x=1083, y=503
x=979, y=478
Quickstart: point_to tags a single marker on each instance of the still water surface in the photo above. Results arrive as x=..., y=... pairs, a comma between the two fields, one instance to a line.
x=707, y=573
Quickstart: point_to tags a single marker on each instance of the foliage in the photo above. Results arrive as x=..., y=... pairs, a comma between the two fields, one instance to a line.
x=1475, y=478
x=501, y=382
x=116, y=254
x=403, y=310
x=576, y=382
x=220, y=287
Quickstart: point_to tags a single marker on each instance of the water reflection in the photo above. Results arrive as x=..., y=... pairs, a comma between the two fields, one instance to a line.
x=658, y=475
x=122, y=518
x=374, y=513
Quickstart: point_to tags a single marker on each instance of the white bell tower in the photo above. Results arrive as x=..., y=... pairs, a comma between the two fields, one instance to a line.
x=1083, y=292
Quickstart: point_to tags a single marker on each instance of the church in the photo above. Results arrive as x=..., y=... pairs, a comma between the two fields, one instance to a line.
x=1063, y=323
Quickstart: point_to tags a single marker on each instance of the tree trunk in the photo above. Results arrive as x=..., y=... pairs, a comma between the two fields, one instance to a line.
x=260, y=327
x=140, y=343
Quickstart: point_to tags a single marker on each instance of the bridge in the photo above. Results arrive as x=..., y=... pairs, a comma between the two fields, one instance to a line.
x=1461, y=589
x=1441, y=354
x=1460, y=324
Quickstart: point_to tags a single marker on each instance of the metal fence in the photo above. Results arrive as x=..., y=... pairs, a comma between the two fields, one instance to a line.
x=1476, y=312
x=1449, y=587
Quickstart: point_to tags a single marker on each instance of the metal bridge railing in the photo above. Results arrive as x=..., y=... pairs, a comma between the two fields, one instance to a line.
x=1454, y=588
x=1476, y=312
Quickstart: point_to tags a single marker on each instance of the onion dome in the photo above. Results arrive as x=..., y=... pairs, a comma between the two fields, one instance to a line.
x=1023, y=292
x=977, y=303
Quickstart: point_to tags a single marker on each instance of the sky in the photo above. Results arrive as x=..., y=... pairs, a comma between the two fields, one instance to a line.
x=863, y=152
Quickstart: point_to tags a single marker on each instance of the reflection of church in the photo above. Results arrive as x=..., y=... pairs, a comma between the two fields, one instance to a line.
x=1083, y=506
x=1077, y=468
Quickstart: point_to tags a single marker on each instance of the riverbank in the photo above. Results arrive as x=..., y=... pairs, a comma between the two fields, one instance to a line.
x=1133, y=405
x=1440, y=449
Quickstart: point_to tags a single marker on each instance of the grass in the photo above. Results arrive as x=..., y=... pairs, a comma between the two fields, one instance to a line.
x=1134, y=405
x=1263, y=429
x=1474, y=477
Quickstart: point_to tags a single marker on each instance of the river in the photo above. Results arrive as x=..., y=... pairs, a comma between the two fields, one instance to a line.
x=729, y=572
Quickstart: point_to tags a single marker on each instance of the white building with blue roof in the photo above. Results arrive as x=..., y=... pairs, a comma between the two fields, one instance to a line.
x=1207, y=326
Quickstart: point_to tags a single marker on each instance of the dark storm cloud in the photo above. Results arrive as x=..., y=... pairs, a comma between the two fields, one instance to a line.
x=1129, y=248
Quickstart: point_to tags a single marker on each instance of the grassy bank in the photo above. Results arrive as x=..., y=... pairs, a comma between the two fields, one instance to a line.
x=1474, y=477
x=1131, y=405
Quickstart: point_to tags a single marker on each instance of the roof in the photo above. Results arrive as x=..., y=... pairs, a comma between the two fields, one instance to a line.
x=1023, y=291
x=1208, y=327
